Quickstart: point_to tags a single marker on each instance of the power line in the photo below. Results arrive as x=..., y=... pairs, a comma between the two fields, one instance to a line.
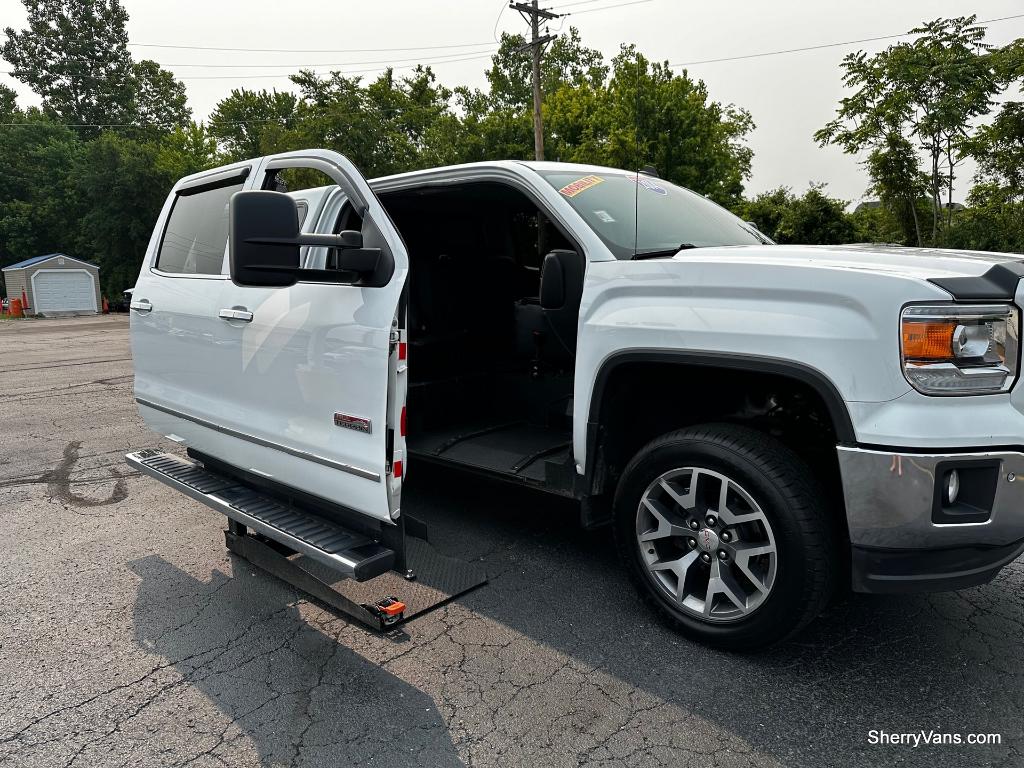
x=824, y=45
x=559, y=6
x=210, y=122
x=404, y=65
x=307, y=64
x=606, y=8
x=306, y=50
x=501, y=10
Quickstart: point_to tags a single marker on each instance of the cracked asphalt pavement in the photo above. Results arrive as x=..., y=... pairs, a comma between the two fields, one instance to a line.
x=129, y=636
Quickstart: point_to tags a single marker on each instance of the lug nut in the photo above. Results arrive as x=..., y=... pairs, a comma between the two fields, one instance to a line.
x=694, y=525
x=726, y=537
x=692, y=543
x=711, y=520
x=723, y=555
x=706, y=557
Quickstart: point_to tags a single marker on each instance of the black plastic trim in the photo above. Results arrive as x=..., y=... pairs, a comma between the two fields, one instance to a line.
x=803, y=373
x=214, y=180
x=890, y=571
x=999, y=283
x=812, y=377
x=978, y=481
x=952, y=450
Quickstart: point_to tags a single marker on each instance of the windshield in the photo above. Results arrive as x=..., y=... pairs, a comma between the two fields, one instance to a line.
x=670, y=217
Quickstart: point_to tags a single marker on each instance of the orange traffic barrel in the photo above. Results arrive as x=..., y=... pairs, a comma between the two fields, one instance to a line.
x=16, y=308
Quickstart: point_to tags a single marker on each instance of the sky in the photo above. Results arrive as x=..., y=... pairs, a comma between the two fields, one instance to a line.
x=789, y=95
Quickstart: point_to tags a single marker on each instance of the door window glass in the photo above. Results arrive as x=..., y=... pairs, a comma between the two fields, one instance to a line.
x=197, y=232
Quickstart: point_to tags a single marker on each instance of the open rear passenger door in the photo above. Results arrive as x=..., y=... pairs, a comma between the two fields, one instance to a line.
x=311, y=365
x=292, y=376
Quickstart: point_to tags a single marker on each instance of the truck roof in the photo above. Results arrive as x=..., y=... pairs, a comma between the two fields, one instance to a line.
x=536, y=165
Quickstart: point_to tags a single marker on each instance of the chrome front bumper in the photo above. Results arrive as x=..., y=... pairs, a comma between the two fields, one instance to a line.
x=901, y=543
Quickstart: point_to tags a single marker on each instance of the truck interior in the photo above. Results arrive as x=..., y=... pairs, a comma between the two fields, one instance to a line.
x=490, y=363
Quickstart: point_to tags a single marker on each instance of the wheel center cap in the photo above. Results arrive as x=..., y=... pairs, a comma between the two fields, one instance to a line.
x=707, y=539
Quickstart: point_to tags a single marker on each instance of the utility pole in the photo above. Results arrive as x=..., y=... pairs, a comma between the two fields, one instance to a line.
x=533, y=14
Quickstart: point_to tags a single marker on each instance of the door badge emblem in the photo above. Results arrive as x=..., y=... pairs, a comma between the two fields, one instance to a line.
x=352, y=422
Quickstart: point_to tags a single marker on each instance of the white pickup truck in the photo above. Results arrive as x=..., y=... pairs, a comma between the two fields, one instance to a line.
x=760, y=424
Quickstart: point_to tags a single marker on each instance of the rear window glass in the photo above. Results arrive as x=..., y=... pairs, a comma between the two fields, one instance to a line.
x=196, y=233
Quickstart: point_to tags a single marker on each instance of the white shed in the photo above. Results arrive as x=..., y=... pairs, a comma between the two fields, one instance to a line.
x=55, y=284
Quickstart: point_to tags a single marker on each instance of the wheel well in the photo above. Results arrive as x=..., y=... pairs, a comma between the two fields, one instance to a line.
x=639, y=400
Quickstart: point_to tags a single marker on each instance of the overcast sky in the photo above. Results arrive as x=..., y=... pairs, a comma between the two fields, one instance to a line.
x=789, y=95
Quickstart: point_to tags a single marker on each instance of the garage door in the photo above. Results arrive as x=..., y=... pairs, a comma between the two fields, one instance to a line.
x=64, y=291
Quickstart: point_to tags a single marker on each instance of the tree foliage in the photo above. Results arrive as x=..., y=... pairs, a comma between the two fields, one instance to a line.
x=89, y=170
x=812, y=218
x=74, y=54
x=920, y=99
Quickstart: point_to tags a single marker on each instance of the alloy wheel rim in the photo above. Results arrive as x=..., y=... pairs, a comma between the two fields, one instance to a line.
x=706, y=544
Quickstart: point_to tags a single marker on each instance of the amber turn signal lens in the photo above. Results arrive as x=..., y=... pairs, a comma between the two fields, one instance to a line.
x=928, y=340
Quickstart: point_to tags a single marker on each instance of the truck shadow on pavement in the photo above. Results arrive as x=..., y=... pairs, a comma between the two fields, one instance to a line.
x=292, y=691
x=945, y=662
x=948, y=663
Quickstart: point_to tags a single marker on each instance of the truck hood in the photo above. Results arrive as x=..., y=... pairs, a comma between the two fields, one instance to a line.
x=920, y=263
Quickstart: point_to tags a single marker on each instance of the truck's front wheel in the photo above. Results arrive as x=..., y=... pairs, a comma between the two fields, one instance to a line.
x=725, y=531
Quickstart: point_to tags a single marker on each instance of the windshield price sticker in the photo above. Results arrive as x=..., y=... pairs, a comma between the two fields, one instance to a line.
x=580, y=185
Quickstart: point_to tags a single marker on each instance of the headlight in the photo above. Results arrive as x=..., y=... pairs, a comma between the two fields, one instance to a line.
x=960, y=350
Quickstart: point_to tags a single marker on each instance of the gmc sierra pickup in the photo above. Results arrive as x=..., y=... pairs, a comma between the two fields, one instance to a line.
x=760, y=424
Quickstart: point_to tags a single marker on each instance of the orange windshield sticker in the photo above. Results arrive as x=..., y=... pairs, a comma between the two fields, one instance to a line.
x=580, y=185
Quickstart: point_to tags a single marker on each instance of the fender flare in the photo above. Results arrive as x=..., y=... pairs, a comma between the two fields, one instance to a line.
x=812, y=377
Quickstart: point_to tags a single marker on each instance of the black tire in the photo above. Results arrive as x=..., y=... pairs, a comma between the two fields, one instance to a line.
x=791, y=499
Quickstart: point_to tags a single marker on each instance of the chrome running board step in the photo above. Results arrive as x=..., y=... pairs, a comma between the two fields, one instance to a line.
x=351, y=554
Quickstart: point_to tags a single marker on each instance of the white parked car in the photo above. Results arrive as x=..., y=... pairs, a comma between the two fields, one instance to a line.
x=761, y=424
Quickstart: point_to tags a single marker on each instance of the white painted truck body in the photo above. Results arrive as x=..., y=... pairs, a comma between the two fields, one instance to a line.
x=261, y=395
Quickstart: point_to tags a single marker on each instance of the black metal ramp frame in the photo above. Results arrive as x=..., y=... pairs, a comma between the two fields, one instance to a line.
x=437, y=580
x=346, y=570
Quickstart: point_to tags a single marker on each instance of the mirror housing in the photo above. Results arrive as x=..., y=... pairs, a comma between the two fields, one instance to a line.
x=561, y=290
x=264, y=242
x=559, y=273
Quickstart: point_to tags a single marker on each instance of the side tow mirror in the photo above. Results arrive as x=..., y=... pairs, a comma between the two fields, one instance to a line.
x=561, y=290
x=264, y=246
x=559, y=273
x=253, y=218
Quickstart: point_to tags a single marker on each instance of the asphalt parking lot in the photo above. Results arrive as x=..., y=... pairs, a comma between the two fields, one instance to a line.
x=129, y=636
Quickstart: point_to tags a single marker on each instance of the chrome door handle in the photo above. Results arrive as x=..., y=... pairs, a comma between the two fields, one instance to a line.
x=236, y=314
x=142, y=306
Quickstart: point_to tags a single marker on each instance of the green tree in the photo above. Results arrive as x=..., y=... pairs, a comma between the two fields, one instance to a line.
x=253, y=123
x=930, y=91
x=566, y=62
x=74, y=54
x=37, y=212
x=814, y=218
x=119, y=185
x=896, y=178
x=186, y=150
x=993, y=221
x=8, y=102
x=647, y=115
x=393, y=124
x=878, y=224
x=159, y=100
x=999, y=150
